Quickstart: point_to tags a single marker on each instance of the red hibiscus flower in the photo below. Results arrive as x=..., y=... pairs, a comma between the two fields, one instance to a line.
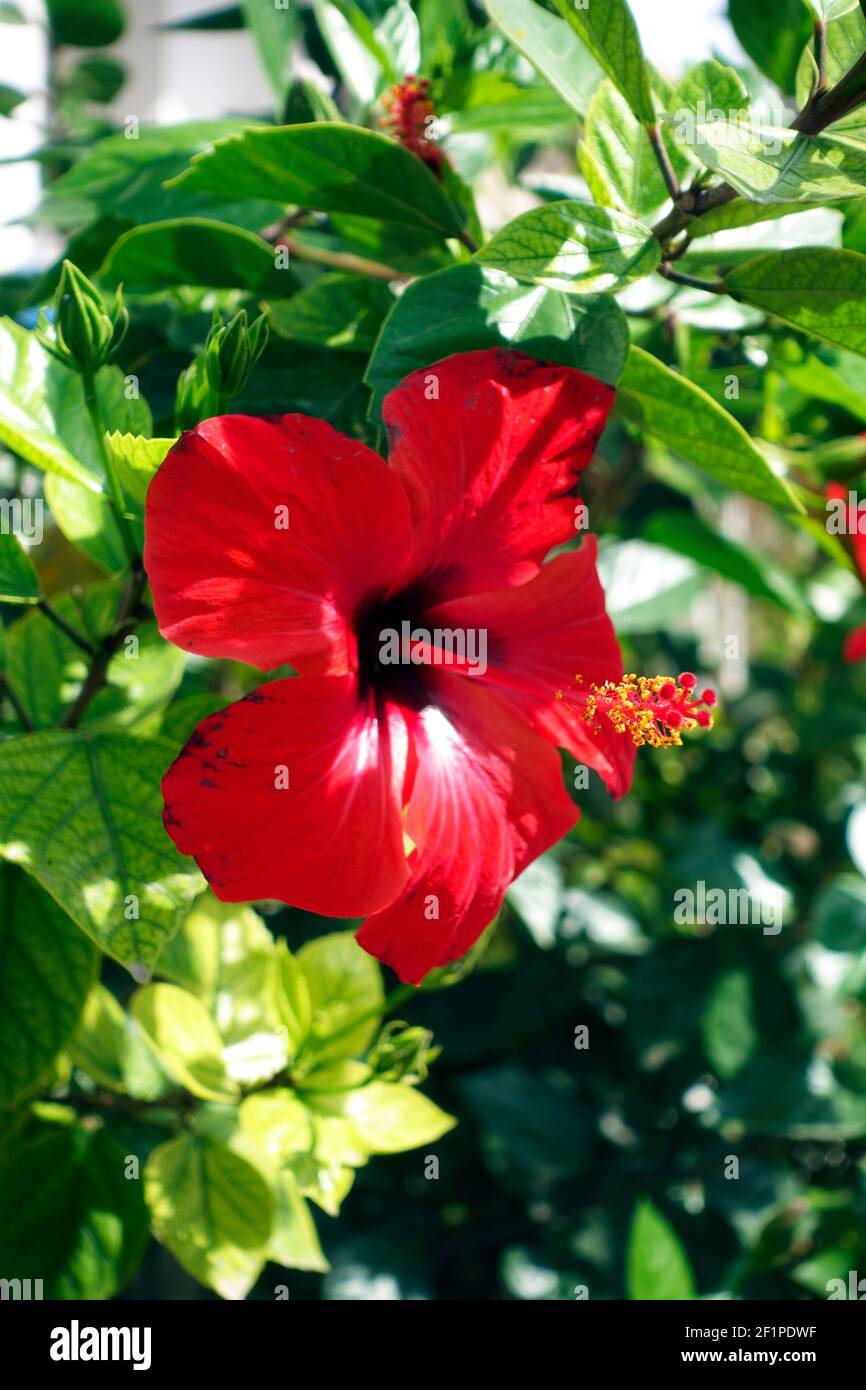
x=855, y=643
x=406, y=783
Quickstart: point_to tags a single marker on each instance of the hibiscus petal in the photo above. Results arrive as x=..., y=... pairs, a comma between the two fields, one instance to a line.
x=231, y=579
x=855, y=645
x=540, y=636
x=331, y=841
x=488, y=445
x=487, y=799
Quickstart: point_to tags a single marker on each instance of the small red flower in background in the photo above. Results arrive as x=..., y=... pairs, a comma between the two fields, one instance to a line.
x=855, y=643
x=409, y=119
x=416, y=793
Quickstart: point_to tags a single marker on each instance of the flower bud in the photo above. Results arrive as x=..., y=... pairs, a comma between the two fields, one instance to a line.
x=231, y=352
x=402, y=1053
x=194, y=400
x=86, y=334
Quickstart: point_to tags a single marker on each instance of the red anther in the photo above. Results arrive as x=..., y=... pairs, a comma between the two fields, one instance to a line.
x=673, y=719
x=709, y=698
x=688, y=681
x=703, y=717
x=668, y=690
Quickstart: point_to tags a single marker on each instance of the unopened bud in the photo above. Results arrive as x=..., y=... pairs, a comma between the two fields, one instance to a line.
x=86, y=334
x=231, y=352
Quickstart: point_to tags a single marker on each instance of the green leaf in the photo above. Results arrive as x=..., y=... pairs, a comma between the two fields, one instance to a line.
x=192, y=251
x=399, y=34
x=728, y=1027
x=111, y=1049
x=329, y=167
x=96, y=79
x=83, y=814
x=46, y=968
x=212, y=21
x=294, y=1241
x=94, y=25
x=617, y=160
x=127, y=174
x=572, y=246
x=670, y=408
x=657, y=1266
x=689, y=535
x=69, y=1215
x=836, y=377
x=273, y=27
x=647, y=588
x=344, y=984
x=708, y=86
x=391, y=1118
x=224, y=955
x=845, y=41
x=10, y=97
x=86, y=518
x=551, y=46
x=185, y=1038
x=135, y=460
x=99, y=1042
x=610, y=34
x=43, y=416
x=839, y=914
x=771, y=164
x=467, y=307
x=355, y=52
x=213, y=1211
x=533, y=1133
x=36, y=392
x=336, y=311
x=47, y=669
x=818, y=291
x=773, y=35
x=19, y=582
x=278, y=1123
x=293, y=1001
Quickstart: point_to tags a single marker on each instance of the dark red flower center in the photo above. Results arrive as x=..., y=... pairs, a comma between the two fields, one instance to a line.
x=378, y=616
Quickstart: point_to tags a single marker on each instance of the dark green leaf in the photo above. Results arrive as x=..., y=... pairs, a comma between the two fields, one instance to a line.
x=611, y=35
x=46, y=968
x=467, y=307
x=774, y=35
x=666, y=405
x=330, y=167
x=192, y=251
x=69, y=1215
x=19, y=582
x=819, y=291
x=336, y=311
x=91, y=25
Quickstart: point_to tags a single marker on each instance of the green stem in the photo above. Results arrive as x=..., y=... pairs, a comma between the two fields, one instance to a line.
x=679, y=278
x=20, y=712
x=663, y=161
x=66, y=628
x=115, y=492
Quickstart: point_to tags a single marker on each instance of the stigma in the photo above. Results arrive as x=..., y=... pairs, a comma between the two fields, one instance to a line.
x=653, y=711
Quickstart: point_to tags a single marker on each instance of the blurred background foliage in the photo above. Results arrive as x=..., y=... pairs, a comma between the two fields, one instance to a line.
x=603, y=1169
